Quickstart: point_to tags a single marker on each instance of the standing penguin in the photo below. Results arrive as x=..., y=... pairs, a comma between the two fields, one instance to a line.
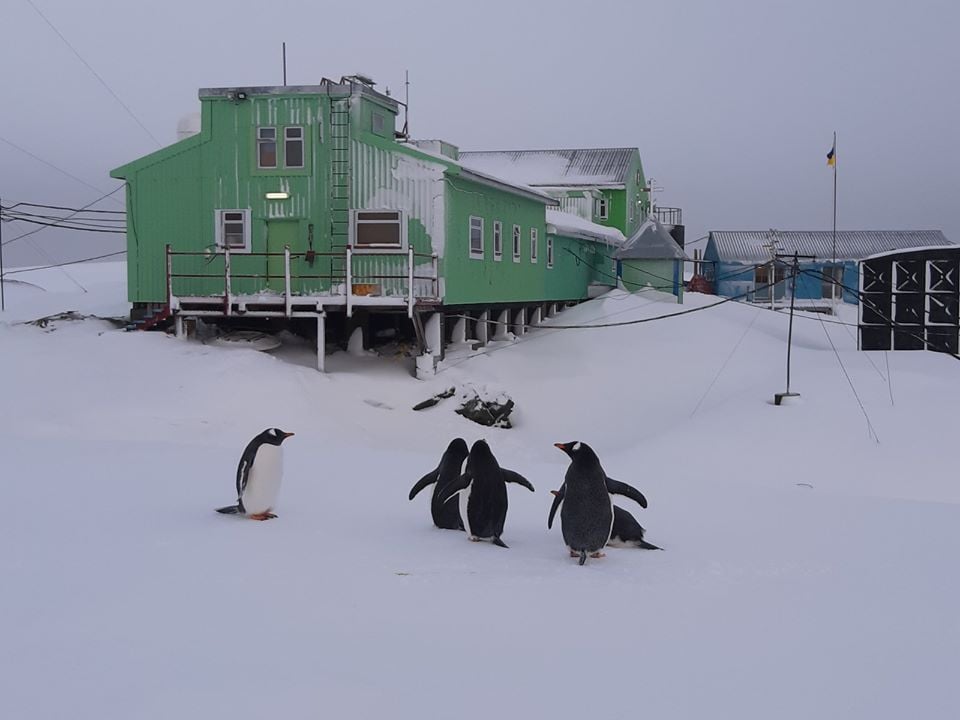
x=445, y=515
x=258, y=476
x=586, y=518
x=483, y=494
x=626, y=532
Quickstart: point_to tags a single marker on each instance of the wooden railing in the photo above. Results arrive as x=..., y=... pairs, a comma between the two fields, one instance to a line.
x=380, y=278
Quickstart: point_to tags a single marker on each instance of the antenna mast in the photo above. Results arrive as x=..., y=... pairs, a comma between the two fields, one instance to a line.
x=284, y=50
x=406, y=105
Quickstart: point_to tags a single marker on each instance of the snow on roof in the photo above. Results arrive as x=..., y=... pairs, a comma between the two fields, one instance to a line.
x=570, y=225
x=752, y=245
x=651, y=241
x=597, y=166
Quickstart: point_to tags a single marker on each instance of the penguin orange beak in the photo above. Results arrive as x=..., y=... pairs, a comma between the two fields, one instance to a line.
x=561, y=446
x=286, y=434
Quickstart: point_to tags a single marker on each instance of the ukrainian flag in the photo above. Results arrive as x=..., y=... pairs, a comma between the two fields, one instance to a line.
x=832, y=156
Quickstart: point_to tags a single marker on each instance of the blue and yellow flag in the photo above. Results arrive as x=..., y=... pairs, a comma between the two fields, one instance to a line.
x=832, y=156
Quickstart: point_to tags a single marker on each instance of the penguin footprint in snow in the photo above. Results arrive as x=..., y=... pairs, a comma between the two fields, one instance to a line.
x=258, y=476
x=482, y=490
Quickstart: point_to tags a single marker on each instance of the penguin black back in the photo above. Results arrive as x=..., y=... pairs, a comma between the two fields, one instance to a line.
x=445, y=515
x=483, y=492
x=586, y=517
x=271, y=437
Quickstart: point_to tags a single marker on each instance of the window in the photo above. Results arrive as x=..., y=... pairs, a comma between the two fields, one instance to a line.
x=378, y=229
x=476, y=237
x=233, y=230
x=267, y=147
x=832, y=274
x=602, y=208
x=533, y=245
x=549, y=252
x=497, y=240
x=379, y=123
x=293, y=147
x=516, y=243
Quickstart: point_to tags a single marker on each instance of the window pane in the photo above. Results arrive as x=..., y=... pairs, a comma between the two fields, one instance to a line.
x=293, y=153
x=267, y=133
x=476, y=235
x=267, y=153
x=373, y=233
x=294, y=133
x=365, y=215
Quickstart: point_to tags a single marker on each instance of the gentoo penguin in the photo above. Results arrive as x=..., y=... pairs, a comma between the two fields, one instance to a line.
x=586, y=518
x=483, y=494
x=445, y=515
x=258, y=476
x=626, y=532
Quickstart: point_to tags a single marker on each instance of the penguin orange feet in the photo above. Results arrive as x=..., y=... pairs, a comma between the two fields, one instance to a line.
x=598, y=554
x=574, y=553
x=261, y=516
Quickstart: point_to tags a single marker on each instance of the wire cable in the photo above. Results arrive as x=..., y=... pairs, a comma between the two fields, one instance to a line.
x=102, y=197
x=95, y=74
x=64, y=264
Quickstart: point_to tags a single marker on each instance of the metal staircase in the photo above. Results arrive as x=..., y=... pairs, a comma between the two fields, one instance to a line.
x=339, y=185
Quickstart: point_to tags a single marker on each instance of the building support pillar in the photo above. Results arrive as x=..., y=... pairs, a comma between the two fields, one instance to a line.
x=483, y=327
x=433, y=330
x=459, y=333
x=178, y=327
x=536, y=317
x=321, y=341
x=520, y=322
x=503, y=326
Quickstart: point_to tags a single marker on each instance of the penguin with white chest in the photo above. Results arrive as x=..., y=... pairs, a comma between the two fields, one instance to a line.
x=445, y=515
x=258, y=476
x=586, y=518
x=483, y=494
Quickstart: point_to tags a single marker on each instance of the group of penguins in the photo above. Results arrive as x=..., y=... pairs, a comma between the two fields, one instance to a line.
x=588, y=518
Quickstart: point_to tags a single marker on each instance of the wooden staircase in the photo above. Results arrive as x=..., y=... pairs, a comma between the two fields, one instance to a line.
x=149, y=316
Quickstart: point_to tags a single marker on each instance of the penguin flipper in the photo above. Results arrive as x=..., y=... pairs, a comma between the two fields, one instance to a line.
x=429, y=479
x=230, y=510
x=499, y=543
x=615, y=487
x=515, y=477
x=458, y=485
x=557, y=499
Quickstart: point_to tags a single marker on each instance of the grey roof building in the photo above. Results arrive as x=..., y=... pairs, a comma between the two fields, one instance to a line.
x=592, y=167
x=752, y=246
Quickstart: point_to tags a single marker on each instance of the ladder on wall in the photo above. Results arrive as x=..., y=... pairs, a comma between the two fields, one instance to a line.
x=339, y=187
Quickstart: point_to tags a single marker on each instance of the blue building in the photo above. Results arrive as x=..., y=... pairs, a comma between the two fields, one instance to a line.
x=739, y=263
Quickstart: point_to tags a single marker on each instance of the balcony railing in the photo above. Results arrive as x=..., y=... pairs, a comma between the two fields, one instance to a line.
x=288, y=284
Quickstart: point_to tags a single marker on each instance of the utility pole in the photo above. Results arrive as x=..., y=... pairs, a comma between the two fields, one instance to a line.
x=778, y=397
x=3, y=301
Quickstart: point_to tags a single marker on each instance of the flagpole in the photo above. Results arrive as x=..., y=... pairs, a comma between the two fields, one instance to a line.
x=833, y=270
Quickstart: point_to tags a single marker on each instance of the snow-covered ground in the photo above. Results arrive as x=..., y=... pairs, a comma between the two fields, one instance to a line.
x=809, y=570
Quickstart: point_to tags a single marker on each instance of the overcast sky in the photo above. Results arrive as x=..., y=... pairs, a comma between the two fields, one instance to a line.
x=732, y=103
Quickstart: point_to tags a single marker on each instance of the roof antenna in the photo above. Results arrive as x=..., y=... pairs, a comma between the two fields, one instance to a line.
x=406, y=106
x=284, y=46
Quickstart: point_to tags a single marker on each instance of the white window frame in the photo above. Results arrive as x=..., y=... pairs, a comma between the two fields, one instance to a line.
x=475, y=222
x=516, y=243
x=497, y=240
x=303, y=146
x=603, y=208
x=549, y=251
x=355, y=220
x=219, y=218
x=534, y=245
x=276, y=147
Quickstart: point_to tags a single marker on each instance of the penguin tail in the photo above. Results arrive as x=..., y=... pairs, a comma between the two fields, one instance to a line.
x=500, y=543
x=230, y=510
x=583, y=557
x=644, y=545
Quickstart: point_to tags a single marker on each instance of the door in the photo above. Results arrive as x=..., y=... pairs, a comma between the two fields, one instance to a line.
x=280, y=234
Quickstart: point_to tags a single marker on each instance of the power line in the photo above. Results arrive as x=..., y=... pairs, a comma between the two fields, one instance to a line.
x=96, y=229
x=102, y=197
x=51, y=165
x=95, y=73
x=60, y=207
x=64, y=264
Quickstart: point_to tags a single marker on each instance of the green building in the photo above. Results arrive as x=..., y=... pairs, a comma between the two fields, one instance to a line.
x=298, y=202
